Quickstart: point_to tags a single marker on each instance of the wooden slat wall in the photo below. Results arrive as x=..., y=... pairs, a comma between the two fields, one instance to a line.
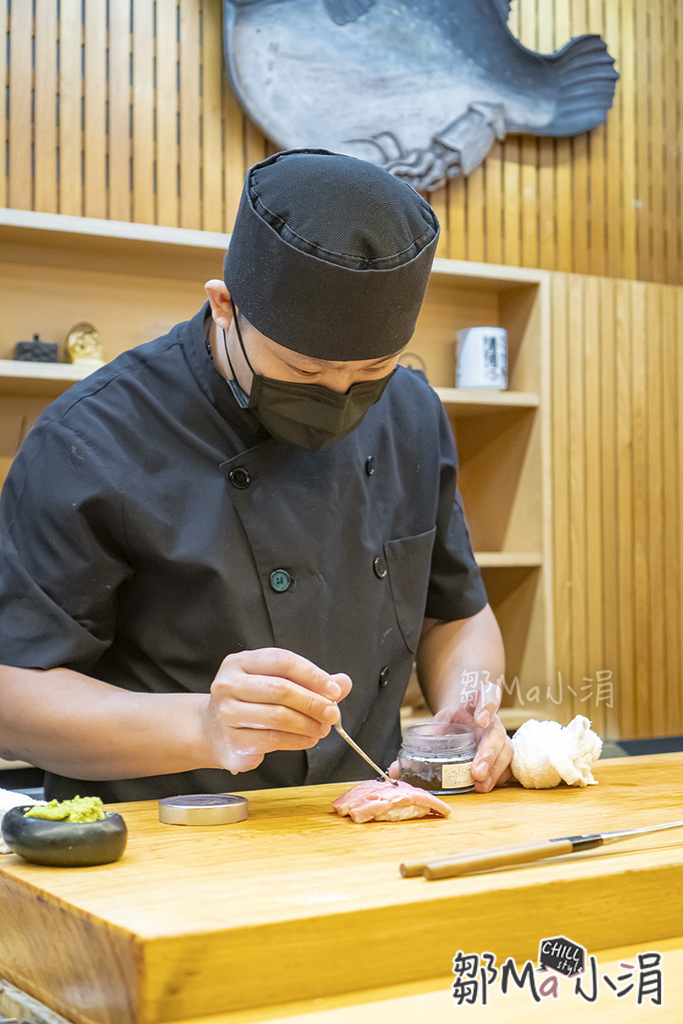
x=617, y=457
x=146, y=127
x=123, y=111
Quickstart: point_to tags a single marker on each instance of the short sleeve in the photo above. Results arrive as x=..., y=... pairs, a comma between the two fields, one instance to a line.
x=61, y=553
x=456, y=589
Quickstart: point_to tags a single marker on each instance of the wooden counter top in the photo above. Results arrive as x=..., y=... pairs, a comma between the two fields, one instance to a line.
x=296, y=903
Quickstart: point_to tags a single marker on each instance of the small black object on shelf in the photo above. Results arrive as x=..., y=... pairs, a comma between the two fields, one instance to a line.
x=36, y=351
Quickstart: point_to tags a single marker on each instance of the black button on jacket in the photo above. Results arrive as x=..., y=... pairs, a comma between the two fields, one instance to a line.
x=146, y=513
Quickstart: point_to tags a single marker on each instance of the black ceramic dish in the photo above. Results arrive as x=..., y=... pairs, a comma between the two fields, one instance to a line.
x=67, y=844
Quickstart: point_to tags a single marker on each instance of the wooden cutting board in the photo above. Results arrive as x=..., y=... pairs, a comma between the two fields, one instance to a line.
x=297, y=903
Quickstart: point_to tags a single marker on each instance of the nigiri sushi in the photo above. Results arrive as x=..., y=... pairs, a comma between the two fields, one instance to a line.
x=377, y=800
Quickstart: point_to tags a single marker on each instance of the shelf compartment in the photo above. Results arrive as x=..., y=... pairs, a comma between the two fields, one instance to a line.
x=133, y=281
x=500, y=479
x=508, y=559
x=462, y=295
x=483, y=402
x=19, y=377
x=517, y=597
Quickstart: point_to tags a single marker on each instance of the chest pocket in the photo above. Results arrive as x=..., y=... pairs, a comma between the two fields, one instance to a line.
x=409, y=563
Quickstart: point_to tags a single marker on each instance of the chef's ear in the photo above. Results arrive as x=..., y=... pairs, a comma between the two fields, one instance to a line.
x=219, y=297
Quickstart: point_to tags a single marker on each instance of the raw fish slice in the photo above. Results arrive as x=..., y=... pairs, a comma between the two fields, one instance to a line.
x=376, y=800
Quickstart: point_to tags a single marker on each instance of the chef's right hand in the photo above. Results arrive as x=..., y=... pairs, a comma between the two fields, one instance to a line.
x=269, y=699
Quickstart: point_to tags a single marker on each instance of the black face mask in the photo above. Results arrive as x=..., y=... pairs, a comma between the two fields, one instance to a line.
x=309, y=415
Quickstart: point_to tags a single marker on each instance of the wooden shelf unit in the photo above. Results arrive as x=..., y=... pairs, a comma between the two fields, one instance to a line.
x=503, y=446
x=135, y=281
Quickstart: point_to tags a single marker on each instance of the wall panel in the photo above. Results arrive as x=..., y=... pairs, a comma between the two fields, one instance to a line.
x=118, y=113
x=139, y=121
x=617, y=406
x=45, y=104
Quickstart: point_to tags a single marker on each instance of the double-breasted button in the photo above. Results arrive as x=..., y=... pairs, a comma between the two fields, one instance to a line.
x=380, y=568
x=239, y=477
x=280, y=580
x=384, y=676
x=370, y=465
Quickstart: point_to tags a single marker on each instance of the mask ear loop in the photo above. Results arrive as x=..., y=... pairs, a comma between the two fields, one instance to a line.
x=238, y=391
x=239, y=338
x=225, y=346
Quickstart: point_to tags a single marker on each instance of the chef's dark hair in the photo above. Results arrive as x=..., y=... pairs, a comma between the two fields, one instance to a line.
x=330, y=255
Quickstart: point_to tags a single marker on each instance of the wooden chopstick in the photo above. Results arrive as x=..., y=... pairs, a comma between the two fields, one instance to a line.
x=486, y=860
x=507, y=856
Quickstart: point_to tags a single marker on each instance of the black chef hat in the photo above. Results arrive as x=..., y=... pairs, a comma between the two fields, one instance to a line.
x=330, y=255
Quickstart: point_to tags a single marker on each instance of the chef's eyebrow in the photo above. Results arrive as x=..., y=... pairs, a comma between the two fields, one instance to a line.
x=384, y=359
x=320, y=364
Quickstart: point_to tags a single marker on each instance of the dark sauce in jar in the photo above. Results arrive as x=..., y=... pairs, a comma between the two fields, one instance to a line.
x=437, y=756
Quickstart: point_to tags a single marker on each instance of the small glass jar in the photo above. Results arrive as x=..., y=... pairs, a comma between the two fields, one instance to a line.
x=437, y=756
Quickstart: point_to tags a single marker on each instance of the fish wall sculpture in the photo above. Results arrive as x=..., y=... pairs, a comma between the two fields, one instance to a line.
x=421, y=87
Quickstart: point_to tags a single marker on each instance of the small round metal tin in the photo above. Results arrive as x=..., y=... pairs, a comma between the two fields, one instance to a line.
x=203, y=809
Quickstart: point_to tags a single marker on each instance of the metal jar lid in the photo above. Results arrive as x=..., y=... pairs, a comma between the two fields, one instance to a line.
x=439, y=740
x=203, y=809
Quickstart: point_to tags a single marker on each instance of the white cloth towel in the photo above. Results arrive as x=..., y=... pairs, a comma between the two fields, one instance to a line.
x=547, y=753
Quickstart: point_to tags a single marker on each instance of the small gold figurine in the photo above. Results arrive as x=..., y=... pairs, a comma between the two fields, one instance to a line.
x=84, y=345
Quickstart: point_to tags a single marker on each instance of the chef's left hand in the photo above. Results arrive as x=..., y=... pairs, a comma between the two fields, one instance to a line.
x=491, y=765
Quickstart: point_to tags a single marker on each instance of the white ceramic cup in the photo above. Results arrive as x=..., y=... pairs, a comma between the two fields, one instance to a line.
x=482, y=358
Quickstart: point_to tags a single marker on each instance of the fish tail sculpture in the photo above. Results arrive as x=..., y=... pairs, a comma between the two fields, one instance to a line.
x=582, y=77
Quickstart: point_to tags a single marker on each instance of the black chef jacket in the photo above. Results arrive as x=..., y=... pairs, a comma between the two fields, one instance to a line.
x=149, y=527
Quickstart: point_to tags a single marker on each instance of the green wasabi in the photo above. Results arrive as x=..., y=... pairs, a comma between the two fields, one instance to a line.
x=80, y=809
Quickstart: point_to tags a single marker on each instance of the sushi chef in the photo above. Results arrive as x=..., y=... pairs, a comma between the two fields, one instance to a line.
x=216, y=543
